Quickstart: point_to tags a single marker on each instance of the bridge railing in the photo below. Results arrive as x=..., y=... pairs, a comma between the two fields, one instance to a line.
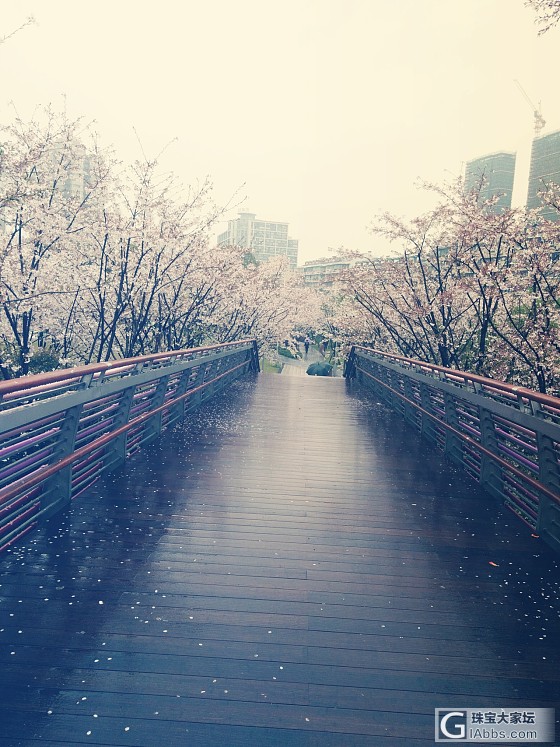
x=60, y=431
x=506, y=437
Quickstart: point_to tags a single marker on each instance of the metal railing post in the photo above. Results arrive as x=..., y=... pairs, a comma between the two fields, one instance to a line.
x=116, y=449
x=350, y=365
x=393, y=380
x=427, y=424
x=254, y=358
x=177, y=411
x=490, y=472
x=195, y=399
x=453, y=445
x=57, y=490
x=548, y=520
x=152, y=429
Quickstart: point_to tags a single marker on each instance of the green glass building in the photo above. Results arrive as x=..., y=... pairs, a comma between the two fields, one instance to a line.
x=545, y=168
x=490, y=177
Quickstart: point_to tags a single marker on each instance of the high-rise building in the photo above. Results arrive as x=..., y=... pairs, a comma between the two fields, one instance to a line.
x=72, y=170
x=69, y=171
x=323, y=273
x=492, y=177
x=263, y=238
x=545, y=169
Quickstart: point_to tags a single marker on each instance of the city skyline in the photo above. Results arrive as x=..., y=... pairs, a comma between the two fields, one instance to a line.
x=322, y=113
x=495, y=174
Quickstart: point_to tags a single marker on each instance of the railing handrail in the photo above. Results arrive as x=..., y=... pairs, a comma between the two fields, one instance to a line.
x=67, y=374
x=60, y=431
x=501, y=386
x=44, y=472
x=507, y=437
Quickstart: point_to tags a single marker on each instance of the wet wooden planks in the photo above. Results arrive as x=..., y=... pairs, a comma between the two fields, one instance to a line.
x=291, y=568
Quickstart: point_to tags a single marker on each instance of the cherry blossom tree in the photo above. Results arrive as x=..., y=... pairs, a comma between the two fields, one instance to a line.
x=107, y=261
x=263, y=300
x=100, y=260
x=417, y=300
x=49, y=188
x=547, y=13
x=474, y=288
x=29, y=21
x=525, y=328
x=146, y=264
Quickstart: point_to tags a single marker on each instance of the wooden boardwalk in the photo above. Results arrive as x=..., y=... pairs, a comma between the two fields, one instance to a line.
x=292, y=569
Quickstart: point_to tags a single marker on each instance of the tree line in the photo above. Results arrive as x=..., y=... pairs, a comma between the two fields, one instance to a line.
x=102, y=260
x=473, y=288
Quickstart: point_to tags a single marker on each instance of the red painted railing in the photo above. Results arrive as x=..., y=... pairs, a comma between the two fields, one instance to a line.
x=506, y=437
x=60, y=431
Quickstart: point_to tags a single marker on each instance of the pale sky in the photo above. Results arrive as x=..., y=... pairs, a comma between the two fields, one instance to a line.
x=322, y=113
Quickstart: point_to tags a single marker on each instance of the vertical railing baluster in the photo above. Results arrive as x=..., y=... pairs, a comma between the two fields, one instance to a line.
x=490, y=471
x=152, y=428
x=57, y=490
x=453, y=445
x=254, y=358
x=115, y=451
x=177, y=410
x=427, y=427
x=410, y=412
x=548, y=520
x=195, y=399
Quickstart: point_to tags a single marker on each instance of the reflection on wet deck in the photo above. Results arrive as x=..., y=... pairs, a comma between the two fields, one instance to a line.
x=292, y=568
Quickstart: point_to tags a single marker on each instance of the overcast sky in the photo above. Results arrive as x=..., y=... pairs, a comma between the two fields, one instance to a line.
x=323, y=113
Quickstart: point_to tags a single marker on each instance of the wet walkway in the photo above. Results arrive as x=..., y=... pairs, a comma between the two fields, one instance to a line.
x=293, y=569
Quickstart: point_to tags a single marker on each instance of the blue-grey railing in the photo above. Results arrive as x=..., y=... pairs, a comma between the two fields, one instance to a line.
x=60, y=431
x=506, y=437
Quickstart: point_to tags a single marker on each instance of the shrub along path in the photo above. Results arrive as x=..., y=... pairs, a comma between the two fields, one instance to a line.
x=293, y=367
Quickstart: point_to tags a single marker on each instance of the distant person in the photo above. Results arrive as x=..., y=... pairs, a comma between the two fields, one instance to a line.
x=306, y=344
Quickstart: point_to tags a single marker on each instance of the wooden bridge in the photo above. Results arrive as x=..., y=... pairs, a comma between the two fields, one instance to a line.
x=291, y=567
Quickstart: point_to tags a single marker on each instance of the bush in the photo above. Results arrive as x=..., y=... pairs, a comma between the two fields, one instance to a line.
x=319, y=369
x=43, y=361
x=286, y=352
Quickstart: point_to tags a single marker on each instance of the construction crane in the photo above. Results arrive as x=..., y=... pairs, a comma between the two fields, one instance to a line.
x=539, y=119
